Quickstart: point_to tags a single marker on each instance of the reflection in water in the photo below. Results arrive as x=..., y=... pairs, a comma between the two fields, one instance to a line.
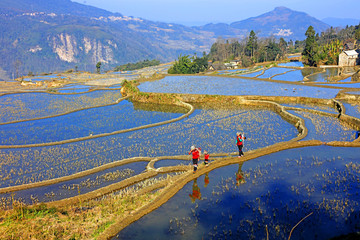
x=206, y=180
x=280, y=190
x=196, y=194
x=240, y=175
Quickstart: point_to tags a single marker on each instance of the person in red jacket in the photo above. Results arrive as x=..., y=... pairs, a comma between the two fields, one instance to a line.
x=195, y=156
x=206, y=158
x=240, y=142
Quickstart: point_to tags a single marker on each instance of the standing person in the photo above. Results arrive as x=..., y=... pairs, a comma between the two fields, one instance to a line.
x=206, y=158
x=195, y=156
x=240, y=143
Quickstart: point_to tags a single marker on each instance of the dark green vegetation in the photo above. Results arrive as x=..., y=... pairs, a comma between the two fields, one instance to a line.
x=316, y=49
x=137, y=65
x=189, y=65
x=326, y=47
x=249, y=51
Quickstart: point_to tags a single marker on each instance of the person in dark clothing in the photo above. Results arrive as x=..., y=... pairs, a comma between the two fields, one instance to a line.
x=195, y=156
x=339, y=109
x=240, y=143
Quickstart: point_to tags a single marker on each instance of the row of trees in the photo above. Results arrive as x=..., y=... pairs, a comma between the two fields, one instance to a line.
x=250, y=50
x=326, y=47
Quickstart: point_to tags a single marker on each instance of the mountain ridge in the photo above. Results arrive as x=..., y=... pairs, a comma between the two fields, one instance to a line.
x=62, y=34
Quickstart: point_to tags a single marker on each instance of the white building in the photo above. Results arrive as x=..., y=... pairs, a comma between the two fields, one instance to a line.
x=348, y=58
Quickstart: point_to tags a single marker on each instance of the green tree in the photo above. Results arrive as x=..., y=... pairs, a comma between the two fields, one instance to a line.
x=310, y=53
x=357, y=33
x=98, y=66
x=283, y=46
x=251, y=45
x=187, y=65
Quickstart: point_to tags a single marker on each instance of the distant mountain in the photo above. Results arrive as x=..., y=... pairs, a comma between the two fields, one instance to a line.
x=55, y=35
x=54, y=6
x=45, y=36
x=281, y=22
x=341, y=22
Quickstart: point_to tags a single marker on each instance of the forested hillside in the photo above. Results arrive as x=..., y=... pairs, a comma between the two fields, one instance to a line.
x=46, y=36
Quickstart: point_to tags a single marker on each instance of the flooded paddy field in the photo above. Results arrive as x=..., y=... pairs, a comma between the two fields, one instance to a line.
x=274, y=192
x=232, y=86
x=296, y=75
x=325, y=129
x=326, y=109
x=261, y=194
x=291, y=64
x=324, y=76
x=211, y=129
x=26, y=106
x=74, y=187
x=269, y=73
x=80, y=124
x=352, y=109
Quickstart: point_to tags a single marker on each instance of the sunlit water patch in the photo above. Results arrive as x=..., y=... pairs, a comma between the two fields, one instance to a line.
x=343, y=85
x=292, y=64
x=274, y=71
x=324, y=76
x=274, y=192
x=325, y=129
x=313, y=107
x=212, y=130
x=352, y=109
x=232, y=86
x=83, y=123
x=297, y=75
x=25, y=106
x=40, y=78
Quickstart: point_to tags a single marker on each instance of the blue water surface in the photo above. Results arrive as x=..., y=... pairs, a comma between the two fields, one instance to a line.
x=232, y=86
x=274, y=191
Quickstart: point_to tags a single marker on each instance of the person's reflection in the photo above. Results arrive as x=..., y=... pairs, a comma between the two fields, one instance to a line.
x=240, y=175
x=196, y=194
x=206, y=179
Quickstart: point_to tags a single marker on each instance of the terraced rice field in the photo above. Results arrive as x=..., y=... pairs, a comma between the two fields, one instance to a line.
x=81, y=144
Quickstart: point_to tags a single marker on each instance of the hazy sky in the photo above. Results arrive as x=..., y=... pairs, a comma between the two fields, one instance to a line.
x=199, y=12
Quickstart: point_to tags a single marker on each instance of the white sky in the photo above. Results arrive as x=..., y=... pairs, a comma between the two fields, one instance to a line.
x=199, y=12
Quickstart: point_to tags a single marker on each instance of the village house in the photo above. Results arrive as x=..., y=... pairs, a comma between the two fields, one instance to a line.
x=349, y=58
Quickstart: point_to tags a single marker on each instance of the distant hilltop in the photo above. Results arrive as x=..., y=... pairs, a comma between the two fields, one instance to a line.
x=47, y=36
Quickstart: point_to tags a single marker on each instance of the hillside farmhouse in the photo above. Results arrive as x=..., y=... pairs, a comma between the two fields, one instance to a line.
x=349, y=58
